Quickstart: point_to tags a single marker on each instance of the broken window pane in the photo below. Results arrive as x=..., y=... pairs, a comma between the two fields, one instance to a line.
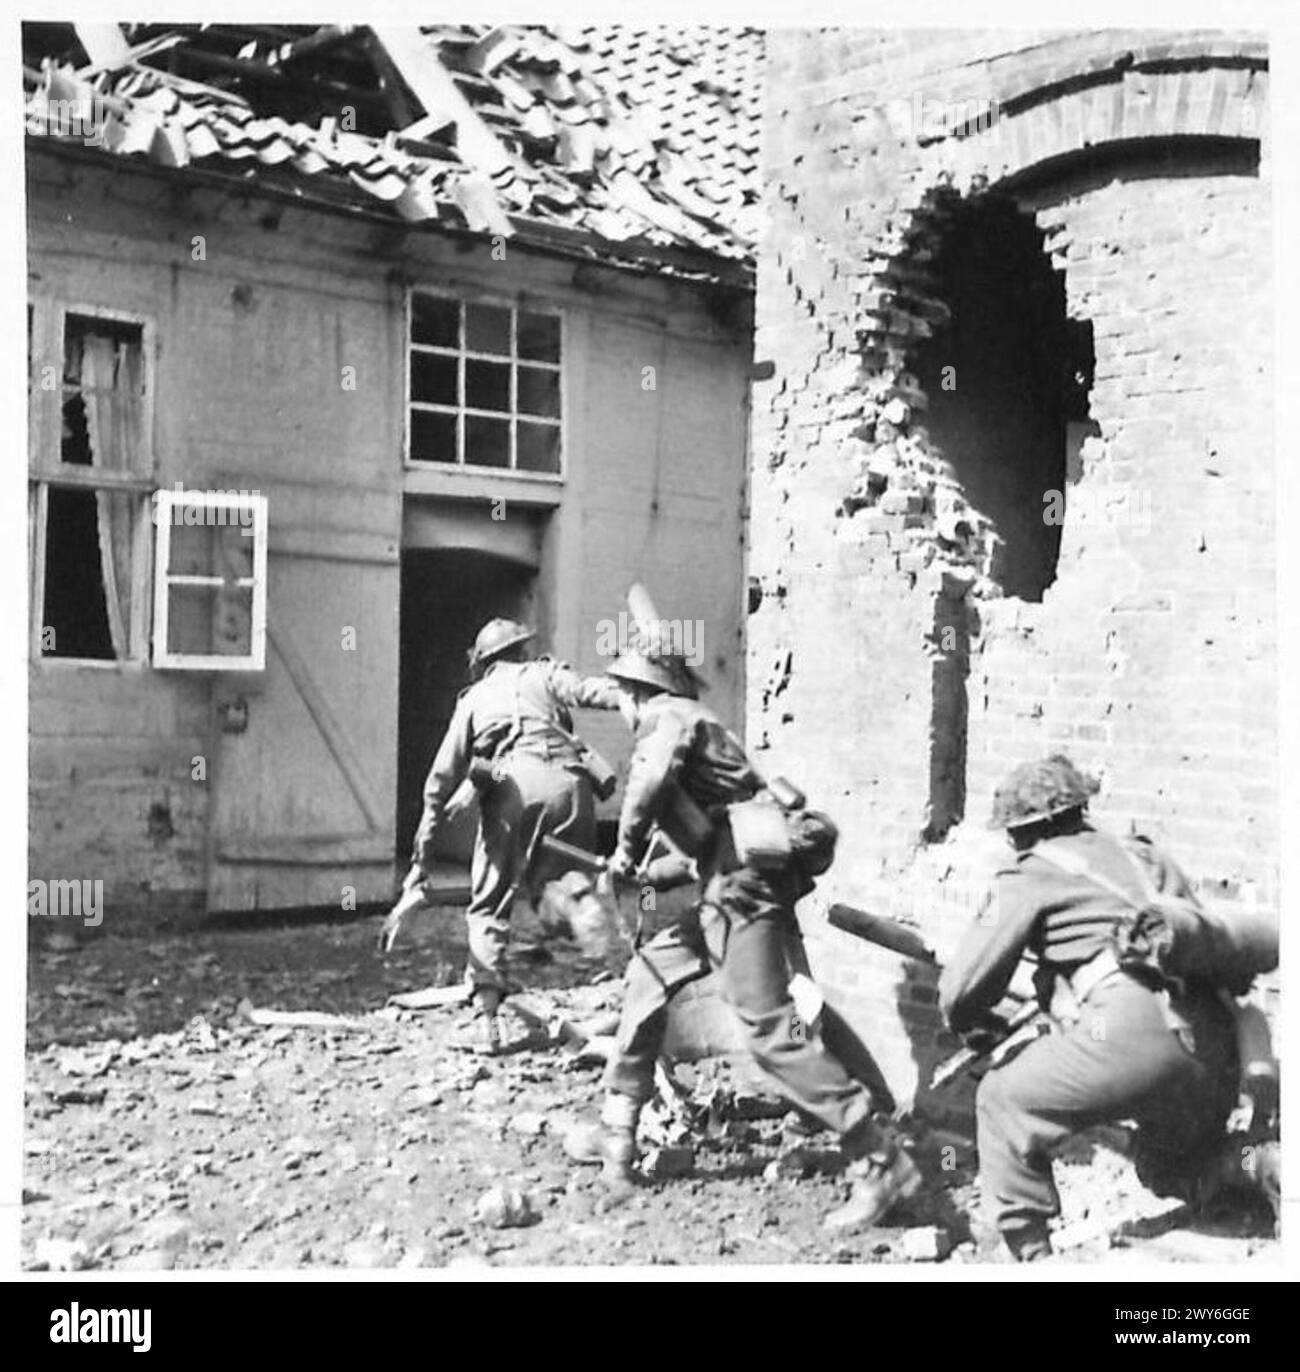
x=435, y=321
x=487, y=385
x=210, y=621
x=539, y=392
x=539, y=447
x=433, y=378
x=487, y=329
x=487, y=441
x=103, y=411
x=539, y=337
x=75, y=446
x=74, y=619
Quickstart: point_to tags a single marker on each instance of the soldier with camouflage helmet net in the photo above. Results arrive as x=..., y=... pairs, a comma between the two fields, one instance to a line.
x=512, y=733
x=688, y=776
x=1128, y=1046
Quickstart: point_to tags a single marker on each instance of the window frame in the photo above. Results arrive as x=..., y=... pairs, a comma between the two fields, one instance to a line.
x=255, y=660
x=515, y=305
x=46, y=472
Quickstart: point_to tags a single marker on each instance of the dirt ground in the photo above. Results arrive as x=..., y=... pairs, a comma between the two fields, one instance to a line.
x=167, y=1129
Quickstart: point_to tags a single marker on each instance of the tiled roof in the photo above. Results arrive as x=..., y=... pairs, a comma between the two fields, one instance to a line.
x=634, y=144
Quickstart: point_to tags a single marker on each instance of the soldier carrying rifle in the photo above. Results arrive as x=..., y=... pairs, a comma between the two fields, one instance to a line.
x=512, y=736
x=756, y=851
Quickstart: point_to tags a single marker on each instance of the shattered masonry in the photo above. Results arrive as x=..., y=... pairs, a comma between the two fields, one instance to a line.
x=918, y=632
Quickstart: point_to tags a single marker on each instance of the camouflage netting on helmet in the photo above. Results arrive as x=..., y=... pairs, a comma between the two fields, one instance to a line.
x=1038, y=790
x=654, y=666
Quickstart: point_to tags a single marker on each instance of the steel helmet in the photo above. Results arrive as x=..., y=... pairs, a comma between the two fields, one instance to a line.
x=1036, y=791
x=496, y=637
x=665, y=672
x=813, y=836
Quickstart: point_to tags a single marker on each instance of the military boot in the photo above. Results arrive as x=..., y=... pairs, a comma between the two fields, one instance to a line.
x=487, y=1001
x=612, y=1142
x=1028, y=1243
x=882, y=1175
x=1239, y=1168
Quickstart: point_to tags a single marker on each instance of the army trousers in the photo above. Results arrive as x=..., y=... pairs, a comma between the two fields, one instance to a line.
x=743, y=930
x=1119, y=1061
x=531, y=796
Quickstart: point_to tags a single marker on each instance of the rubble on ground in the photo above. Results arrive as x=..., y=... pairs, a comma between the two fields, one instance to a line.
x=166, y=1129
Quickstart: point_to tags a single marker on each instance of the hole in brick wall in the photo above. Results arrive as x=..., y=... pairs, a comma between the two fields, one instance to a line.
x=1017, y=396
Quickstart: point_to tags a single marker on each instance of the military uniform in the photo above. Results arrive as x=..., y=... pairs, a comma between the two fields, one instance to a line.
x=517, y=719
x=744, y=927
x=1125, y=1051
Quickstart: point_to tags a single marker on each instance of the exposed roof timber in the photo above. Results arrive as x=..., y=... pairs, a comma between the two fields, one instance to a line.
x=246, y=68
x=131, y=56
x=327, y=36
x=405, y=112
x=105, y=44
x=438, y=95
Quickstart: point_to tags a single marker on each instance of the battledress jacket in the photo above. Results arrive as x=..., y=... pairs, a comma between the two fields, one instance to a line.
x=515, y=706
x=680, y=740
x=1063, y=919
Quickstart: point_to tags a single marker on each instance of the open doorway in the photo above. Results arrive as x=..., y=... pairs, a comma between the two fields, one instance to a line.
x=448, y=594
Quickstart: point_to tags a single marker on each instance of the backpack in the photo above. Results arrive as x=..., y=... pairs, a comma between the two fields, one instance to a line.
x=1174, y=937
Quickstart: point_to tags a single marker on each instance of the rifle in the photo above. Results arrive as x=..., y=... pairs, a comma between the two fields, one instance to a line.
x=898, y=938
x=952, y=1067
x=415, y=895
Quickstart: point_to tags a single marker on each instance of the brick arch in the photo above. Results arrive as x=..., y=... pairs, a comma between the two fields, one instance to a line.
x=1077, y=101
x=1132, y=105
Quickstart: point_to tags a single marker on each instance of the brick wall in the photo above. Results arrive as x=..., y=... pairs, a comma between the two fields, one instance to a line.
x=890, y=670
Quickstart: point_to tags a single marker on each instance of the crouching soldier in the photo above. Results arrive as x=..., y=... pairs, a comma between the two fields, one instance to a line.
x=1131, y=1044
x=687, y=774
x=512, y=734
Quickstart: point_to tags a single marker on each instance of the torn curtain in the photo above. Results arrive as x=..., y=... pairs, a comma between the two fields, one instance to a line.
x=110, y=391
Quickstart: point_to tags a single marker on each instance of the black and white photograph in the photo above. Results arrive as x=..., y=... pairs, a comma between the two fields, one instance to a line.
x=652, y=642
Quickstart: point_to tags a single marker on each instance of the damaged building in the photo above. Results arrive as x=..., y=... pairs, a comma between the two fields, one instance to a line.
x=1013, y=474
x=343, y=340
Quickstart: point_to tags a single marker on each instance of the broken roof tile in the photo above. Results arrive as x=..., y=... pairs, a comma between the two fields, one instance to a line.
x=629, y=134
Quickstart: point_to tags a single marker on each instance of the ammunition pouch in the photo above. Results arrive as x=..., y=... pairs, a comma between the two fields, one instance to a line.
x=760, y=833
x=482, y=775
x=775, y=830
x=687, y=824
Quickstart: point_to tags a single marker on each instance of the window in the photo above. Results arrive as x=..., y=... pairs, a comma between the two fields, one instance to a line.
x=210, y=580
x=89, y=481
x=484, y=385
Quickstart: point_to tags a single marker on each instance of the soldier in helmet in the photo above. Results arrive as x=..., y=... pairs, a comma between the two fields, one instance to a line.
x=1129, y=1048
x=686, y=770
x=512, y=733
